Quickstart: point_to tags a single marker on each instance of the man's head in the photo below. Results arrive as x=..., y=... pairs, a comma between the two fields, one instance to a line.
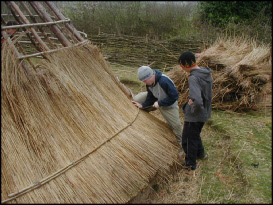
x=11, y=30
x=187, y=59
x=146, y=74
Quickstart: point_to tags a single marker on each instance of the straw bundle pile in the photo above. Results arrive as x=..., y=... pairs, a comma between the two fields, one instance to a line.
x=241, y=71
x=70, y=135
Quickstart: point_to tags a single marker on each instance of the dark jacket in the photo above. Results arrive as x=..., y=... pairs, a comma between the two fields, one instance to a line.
x=200, y=91
x=163, y=91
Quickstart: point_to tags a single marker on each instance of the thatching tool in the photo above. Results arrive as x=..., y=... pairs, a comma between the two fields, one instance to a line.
x=149, y=108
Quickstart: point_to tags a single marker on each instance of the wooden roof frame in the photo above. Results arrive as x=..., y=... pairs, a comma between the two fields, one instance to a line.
x=38, y=21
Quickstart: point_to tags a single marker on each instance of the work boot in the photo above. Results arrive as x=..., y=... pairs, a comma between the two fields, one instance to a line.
x=188, y=167
x=202, y=156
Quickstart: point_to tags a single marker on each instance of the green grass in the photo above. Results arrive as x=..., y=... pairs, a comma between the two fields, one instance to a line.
x=235, y=142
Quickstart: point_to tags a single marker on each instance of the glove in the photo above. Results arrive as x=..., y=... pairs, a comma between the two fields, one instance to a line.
x=156, y=105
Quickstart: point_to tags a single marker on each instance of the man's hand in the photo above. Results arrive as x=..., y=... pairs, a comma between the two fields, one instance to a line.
x=156, y=105
x=190, y=101
x=136, y=104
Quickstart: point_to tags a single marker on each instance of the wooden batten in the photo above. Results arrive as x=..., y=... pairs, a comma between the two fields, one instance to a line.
x=16, y=17
x=35, y=21
x=62, y=17
x=25, y=20
x=54, y=28
x=37, y=24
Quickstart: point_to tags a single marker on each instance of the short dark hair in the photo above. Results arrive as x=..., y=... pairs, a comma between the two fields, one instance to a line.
x=12, y=23
x=187, y=59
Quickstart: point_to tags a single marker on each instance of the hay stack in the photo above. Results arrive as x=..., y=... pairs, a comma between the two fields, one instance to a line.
x=241, y=70
x=70, y=135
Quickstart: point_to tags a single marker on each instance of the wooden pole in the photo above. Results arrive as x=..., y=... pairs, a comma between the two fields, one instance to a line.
x=34, y=24
x=25, y=20
x=35, y=21
x=29, y=61
x=2, y=20
x=24, y=29
x=62, y=17
x=17, y=15
x=41, y=53
x=37, y=6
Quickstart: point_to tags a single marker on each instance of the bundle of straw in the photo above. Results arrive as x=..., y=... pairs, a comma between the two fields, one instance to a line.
x=180, y=79
x=70, y=135
x=241, y=70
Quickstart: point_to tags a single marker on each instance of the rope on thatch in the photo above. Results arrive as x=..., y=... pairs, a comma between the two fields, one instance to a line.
x=61, y=171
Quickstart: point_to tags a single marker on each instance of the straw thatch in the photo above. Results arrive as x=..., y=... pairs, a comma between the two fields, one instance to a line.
x=70, y=135
x=241, y=74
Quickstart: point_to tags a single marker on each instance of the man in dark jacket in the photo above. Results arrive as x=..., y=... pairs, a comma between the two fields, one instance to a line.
x=162, y=94
x=197, y=110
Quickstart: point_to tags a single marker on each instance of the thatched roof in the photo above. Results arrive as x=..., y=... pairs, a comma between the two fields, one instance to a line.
x=69, y=132
x=68, y=127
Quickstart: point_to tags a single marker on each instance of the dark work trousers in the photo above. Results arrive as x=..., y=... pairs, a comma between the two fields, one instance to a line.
x=191, y=142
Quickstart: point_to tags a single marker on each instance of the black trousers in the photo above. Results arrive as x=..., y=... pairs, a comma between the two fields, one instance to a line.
x=191, y=142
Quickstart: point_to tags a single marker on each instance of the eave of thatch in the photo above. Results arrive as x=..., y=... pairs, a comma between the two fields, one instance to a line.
x=71, y=135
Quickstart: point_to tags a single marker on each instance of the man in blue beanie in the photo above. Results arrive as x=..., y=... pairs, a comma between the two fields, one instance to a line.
x=162, y=94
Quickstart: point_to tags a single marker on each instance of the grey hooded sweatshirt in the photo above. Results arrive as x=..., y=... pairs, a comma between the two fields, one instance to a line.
x=200, y=91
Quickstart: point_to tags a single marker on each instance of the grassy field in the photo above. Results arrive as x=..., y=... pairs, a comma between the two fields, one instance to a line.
x=239, y=167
